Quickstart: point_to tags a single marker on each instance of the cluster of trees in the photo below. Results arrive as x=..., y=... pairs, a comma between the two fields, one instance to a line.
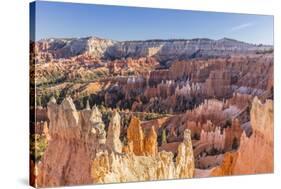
x=44, y=98
x=38, y=145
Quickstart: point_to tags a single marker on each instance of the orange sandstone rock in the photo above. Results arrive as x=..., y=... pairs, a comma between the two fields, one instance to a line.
x=113, y=142
x=74, y=138
x=255, y=154
x=113, y=167
x=150, y=142
x=226, y=168
x=136, y=136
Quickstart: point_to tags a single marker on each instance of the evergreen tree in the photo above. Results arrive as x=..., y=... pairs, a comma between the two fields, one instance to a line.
x=38, y=101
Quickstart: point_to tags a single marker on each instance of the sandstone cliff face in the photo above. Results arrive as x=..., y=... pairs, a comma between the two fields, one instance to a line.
x=185, y=160
x=67, y=159
x=186, y=84
x=255, y=153
x=218, y=84
x=226, y=168
x=208, y=110
x=140, y=143
x=233, y=134
x=66, y=48
x=221, y=76
x=150, y=142
x=135, y=136
x=113, y=142
x=163, y=50
x=108, y=168
x=211, y=140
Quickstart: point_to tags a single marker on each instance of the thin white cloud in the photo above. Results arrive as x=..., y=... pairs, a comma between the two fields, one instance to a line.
x=242, y=26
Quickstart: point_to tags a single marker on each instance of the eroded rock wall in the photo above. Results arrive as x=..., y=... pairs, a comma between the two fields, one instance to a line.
x=80, y=151
x=74, y=140
x=255, y=153
x=109, y=168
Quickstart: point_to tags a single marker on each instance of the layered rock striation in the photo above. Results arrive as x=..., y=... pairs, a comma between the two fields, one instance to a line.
x=163, y=50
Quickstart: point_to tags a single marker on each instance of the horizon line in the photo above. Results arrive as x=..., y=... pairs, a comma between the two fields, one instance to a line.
x=154, y=39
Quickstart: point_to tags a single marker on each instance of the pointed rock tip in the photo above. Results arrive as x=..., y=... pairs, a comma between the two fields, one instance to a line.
x=256, y=100
x=96, y=111
x=88, y=105
x=187, y=135
x=52, y=100
x=115, y=114
x=68, y=104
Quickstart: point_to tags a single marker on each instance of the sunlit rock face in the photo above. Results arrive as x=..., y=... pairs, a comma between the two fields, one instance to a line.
x=112, y=167
x=150, y=143
x=135, y=136
x=112, y=141
x=80, y=151
x=140, y=143
x=213, y=139
x=232, y=135
x=255, y=153
x=74, y=140
x=162, y=50
x=66, y=48
x=227, y=166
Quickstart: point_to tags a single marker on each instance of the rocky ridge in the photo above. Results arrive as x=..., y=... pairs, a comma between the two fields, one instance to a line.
x=163, y=50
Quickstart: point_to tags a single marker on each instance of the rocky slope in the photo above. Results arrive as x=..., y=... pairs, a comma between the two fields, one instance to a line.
x=255, y=154
x=163, y=50
x=55, y=48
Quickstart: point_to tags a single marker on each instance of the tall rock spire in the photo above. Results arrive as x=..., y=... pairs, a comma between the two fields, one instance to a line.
x=98, y=125
x=135, y=136
x=150, y=142
x=112, y=141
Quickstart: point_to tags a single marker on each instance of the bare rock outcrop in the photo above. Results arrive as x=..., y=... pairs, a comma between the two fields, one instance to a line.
x=112, y=167
x=232, y=135
x=135, y=136
x=226, y=168
x=112, y=141
x=185, y=159
x=215, y=139
x=150, y=142
x=74, y=137
x=255, y=154
x=163, y=50
x=218, y=84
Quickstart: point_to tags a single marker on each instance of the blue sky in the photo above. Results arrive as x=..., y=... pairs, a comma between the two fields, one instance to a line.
x=55, y=19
